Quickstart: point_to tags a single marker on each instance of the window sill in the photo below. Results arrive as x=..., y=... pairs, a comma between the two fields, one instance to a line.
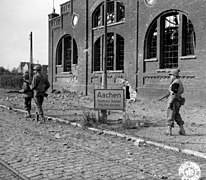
x=65, y=73
x=97, y=72
x=163, y=70
x=188, y=57
x=59, y=65
x=108, y=25
x=115, y=71
x=151, y=60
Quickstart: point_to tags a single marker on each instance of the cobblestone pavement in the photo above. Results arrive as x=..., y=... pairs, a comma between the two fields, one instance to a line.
x=61, y=151
x=149, y=113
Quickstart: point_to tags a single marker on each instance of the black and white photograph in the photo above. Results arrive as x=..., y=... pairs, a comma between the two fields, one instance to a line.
x=103, y=90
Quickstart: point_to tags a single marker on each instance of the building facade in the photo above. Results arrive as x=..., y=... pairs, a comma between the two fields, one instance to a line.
x=146, y=39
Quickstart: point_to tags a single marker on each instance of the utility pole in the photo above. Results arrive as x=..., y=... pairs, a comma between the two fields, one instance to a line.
x=53, y=7
x=31, y=57
x=104, y=78
x=87, y=45
x=104, y=75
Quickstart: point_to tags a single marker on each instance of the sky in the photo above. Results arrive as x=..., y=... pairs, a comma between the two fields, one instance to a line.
x=18, y=18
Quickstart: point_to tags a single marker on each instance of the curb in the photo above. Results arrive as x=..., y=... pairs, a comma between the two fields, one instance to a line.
x=137, y=141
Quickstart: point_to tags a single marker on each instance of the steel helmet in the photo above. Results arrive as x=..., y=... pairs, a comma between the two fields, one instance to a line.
x=174, y=72
x=37, y=67
x=26, y=75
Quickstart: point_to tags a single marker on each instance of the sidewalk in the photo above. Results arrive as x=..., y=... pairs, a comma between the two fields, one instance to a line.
x=148, y=113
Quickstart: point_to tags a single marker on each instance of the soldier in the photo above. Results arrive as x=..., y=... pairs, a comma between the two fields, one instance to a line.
x=28, y=94
x=174, y=102
x=40, y=85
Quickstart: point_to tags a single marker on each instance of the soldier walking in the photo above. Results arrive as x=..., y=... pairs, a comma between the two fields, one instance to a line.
x=40, y=85
x=175, y=101
x=28, y=94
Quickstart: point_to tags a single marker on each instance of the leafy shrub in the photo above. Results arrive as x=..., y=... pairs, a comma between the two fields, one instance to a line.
x=89, y=120
x=13, y=81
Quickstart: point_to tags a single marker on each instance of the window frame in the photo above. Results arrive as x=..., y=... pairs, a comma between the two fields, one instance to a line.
x=61, y=55
x=159, y=44
x=117, y=14
x=97, y=32
x=115, y=61
x=59, y=59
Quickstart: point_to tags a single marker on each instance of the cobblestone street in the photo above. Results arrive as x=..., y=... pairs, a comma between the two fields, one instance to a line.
x=60, y=151
x=103, y=90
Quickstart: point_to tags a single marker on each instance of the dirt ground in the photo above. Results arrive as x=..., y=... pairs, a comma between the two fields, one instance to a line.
x=149, y=114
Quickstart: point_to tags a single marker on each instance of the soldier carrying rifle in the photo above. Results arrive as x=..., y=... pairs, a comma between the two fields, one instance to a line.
x=27, y=94
x=175, y=100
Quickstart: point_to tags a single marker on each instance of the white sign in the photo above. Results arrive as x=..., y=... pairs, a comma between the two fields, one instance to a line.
x=109, y=99
x=189, y=171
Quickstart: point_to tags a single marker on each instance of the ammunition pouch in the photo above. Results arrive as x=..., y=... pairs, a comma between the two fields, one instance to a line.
x=182, y=100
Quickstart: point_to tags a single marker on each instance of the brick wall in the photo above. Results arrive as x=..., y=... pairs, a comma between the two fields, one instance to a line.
x=145, y=77
x=151, y=80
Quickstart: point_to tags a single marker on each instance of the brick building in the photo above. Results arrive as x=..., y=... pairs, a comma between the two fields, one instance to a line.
x=145, y=40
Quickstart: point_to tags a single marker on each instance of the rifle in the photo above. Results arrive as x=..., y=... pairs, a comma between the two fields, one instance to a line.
x=17, y=92
x=166, y=96
x=14, y=91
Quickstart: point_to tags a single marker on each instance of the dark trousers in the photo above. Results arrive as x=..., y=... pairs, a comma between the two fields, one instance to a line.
x=39, y=99
x=173, y=114
x=27, y=103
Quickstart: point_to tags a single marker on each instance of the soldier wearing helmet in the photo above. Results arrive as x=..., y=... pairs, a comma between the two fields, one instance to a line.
x=174, y=72
x=175, y=101
x=40, y=85
x=28, y=94
x=37, y=67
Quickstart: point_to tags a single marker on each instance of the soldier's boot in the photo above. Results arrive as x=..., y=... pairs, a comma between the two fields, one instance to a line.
x=37, y=117
x=182, y=130
x=169, y=131
x=28, y=114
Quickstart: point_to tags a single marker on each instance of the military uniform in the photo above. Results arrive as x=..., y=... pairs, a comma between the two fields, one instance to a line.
x=174, y=103
x=27, y=94
x=176, y=89
x=40, y=85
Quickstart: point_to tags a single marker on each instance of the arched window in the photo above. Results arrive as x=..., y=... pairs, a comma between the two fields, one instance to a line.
x=97, y=54
x=170, y=37
x=189, y=41
x=120, y=54
x=67, y=53
x=152, y=42
x=75, y=52
x=59, y=54
x=115, y=13
x=115, y=42
x=115, y=52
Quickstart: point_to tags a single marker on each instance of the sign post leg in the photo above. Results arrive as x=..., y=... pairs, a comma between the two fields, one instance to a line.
x=125, y=108
x=97, y=114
